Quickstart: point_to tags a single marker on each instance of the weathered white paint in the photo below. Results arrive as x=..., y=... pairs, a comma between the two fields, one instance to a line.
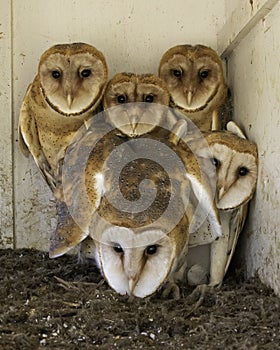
x=254, y=78
x=241, y=17
x=6, y=176
x=132, y=34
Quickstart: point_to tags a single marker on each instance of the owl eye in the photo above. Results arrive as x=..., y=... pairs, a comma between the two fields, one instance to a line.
x=203, y=74
x=85, y=73
x=177, y=73
x=56, y=74
x=121, y=99
x=118, y=249
x=149, y=98
x=215, y=162
x=151, y=249
x=242, y=171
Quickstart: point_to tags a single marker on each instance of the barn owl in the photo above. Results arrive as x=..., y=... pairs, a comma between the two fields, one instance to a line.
x=133, y=94
x=195, y=80
x=236, y=162
x=66, y=91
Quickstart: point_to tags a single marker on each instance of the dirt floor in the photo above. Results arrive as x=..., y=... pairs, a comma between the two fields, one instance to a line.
x=59, y=304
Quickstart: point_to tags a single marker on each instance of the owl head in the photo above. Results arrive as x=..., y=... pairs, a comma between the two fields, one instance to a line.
x=194, y=77
x=72, y=77
x=236, y=162
x=127, y=101
x=136, y=263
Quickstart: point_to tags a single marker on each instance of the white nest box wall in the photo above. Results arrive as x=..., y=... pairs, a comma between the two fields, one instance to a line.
x=254, y=77
x=133, y=35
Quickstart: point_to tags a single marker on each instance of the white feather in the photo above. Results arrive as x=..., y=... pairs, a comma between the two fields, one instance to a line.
x=99, y=185
x=205, y=209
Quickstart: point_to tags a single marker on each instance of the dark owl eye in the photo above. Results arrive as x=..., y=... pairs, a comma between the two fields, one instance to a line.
x=56, y=74
x=177, y=73
x=149, y=98
x=118, y=249
x=121, y=99
x=203, y=74
x=85, y=73
x=242, y=171
x=215, y=162
x=151, y=249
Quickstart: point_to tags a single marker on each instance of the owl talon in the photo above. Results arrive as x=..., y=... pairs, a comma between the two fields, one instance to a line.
x=201, y=291
x=171, y=290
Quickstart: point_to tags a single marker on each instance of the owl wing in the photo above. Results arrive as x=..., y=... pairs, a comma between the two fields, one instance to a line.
x=213, y=259
x=29, y=141
x=205, y=222
x=67, y=234
x=236, y=225
x=223, y=249
x=80, y=187
x=24, y=123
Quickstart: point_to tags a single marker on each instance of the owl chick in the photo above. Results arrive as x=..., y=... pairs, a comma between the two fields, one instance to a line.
x=133, y=94
x=65, y=92
x=236, y=162
x=195, y=80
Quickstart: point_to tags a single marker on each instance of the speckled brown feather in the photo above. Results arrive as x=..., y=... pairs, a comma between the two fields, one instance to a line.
x=76, y=195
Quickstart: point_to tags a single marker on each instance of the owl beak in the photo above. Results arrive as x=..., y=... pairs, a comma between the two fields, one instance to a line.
x=189, y=97
x=131, y=284
x=69, y=100
x=134, y=123
x=221, y=192
x=189, y=92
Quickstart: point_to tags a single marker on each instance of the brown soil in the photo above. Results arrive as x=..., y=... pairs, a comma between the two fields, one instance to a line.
x=60, y=304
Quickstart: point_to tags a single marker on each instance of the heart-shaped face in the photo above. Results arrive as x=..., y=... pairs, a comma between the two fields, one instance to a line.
x=135, y=95
x=136, y=263
x=72, y=77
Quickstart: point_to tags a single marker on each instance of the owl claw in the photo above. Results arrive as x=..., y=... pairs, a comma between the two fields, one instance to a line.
x=200, y=291
x=171, y=290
